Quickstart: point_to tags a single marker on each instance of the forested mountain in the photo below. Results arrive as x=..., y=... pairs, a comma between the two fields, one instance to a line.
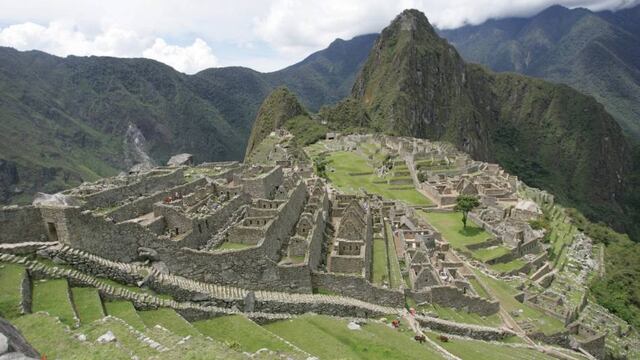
x=68, y=120
x=597, y=53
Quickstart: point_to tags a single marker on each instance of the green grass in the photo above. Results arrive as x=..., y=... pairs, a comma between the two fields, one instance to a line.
x=125, y=311
x=461, y=316
x=10, y=296
x=249, y=335
x=504, y=293
x=450, y=226
x=52, y=296
x=51, y=339
x=394, y=266
x=479, y=350
x=329, y=338
x=380, y=270
x=345, y=163
x=88, y=304
x=490, y=253
x=479, y=289
x=508, y=266
x=168, y=319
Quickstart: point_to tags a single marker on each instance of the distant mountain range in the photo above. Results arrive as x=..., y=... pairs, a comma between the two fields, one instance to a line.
x=66, y=120
x=597, y=53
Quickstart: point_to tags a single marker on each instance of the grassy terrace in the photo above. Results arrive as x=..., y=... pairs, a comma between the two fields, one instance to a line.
x=346, y=163
x=329, y=338
x=168, y=319
x=125, y=311
x=394, y=266
x=479, y=289
x=238, y=329
x=504, y=292
x=88, y=304
x=52, y=296
x=479, y=350
x=380, y=270
x=10, y=297
x=508, y=266
x=462, y=316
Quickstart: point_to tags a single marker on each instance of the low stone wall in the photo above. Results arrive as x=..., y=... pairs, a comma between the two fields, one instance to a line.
x=357, y=287
x=450, y=296
x=468, y=330
x=20, y=224
x=146, y=185
x=144, y=205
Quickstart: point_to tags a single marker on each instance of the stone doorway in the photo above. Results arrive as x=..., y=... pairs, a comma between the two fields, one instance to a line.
x=52, y=230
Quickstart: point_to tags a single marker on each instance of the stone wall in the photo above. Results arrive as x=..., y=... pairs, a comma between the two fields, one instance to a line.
x=263, y=186
x=472, y=331
x=316, y=235
x=144, y=205
x=21, y=224
x=94, y=234
x=254, y=267
x=146, y=185
x=358, y=288
x=451, y=296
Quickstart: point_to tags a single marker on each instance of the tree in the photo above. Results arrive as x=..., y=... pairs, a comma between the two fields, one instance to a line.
x=464, y=204
x=320, y=164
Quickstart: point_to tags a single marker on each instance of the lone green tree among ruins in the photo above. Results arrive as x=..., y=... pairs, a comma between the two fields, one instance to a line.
x=464, y=204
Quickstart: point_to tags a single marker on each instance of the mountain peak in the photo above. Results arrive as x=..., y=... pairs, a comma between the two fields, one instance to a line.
x=411, y=20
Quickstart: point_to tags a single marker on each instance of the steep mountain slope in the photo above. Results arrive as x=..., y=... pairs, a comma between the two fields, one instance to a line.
x=414, y=83
x=596, y=53
x=280, y=106
x=66, y=120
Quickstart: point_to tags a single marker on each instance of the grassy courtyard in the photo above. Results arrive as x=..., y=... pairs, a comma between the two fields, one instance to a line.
x=88, y=304
x=379, y=268
x=449, y=224
x=350, y=172
x=52, y=296
x=10, y=296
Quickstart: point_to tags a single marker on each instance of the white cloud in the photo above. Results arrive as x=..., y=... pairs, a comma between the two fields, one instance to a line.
x=189, y=59
x=288, y=29
x=64, y=38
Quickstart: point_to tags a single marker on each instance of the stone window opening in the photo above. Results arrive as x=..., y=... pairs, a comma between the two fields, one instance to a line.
x=52, y=231
x=200, y=228
x=177, y=231
x=206, y=223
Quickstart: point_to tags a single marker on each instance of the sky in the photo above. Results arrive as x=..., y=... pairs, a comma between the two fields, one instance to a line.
x=266, y=35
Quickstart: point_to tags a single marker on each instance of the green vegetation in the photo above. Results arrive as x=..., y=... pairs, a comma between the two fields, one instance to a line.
x=238, y=329
x=125, y=311
x=490, y=253
x=462, y=316
x=168, y=319
x=505, y=292
x=343, y=164
x=52, y=340
x=10, y=283
x=380, y=270
x=88, y=304
x=464, y=204
x=52, y=296
x=394, y=266
x=305, y=130
x=479, y=350
x=329, y=338
x=280, y=106
x=508, y=266
x=478, y=288
x=448, y=224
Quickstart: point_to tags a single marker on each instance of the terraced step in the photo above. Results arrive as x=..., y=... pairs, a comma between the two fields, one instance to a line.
x=329, y=338
x=52, y=296
x=88, y=304
x=10, y=282
x=249, y=336
x=54, y=340
x=170, y=320
x=124, y=310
